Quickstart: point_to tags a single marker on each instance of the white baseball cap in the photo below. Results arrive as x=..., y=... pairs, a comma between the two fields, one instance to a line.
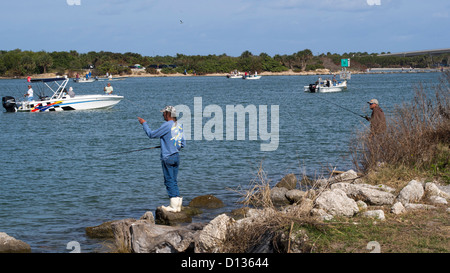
x=170, y=109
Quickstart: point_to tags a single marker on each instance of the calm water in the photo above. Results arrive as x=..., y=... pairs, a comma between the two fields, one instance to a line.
x=58, y=175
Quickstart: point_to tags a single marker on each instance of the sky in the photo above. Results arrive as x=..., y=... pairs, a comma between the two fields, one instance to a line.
x=203, y=27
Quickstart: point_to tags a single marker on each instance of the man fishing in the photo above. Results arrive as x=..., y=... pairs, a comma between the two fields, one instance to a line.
x=377, y=119
x=172, y=140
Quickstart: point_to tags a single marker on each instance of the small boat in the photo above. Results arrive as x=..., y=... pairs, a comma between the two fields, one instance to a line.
x=60, y=100
x=111, y=79
x=326, y=86
x=84, y=80
x=234, y=76
x=251, y=77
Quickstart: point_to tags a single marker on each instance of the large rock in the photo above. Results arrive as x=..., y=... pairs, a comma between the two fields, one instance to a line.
x=398, y=208
x=213, y=234
x=150, y=238
x=144, y=236
x=121, y=233
x=10, y=244
x=437, y=200
x=102, y=231
x=278, y=196
x=289, y=182
x=431, y=189
x=295, y=195
x=206, y=201
x=348, y=177
x=376, y=214
x=412, y=207
x=163, y=217
x=413, y=192
x=373, y=195
x=337, y=203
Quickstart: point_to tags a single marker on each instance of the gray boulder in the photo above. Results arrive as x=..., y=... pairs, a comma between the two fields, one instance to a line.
x=206, y=201
x=295, y=196
x=431, y=189
x=367, y=193
x=411, y=193
x=278, y=196
x=437, y=200
x=376, y=214
x=150, y=238
x=412, y=207
x=398, y=208
x=289, y=182
x=337, y=203
x=213, y=234
x=10, y=244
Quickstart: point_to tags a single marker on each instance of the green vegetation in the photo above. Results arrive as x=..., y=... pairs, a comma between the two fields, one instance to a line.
x=22, y=63
x=420, y=232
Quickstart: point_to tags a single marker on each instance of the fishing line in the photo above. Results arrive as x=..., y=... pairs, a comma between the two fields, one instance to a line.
x=342, y=107
x=132, y=151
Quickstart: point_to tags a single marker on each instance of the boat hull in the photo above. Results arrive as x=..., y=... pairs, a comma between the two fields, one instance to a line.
x=252, y=77
x=312, y=88
x=83, y=80
x=234, y=76
x=82, y=102
x=325, y=89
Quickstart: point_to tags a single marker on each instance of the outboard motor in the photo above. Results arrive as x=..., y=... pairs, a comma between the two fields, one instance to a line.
x=312, y=88
x=9, y=103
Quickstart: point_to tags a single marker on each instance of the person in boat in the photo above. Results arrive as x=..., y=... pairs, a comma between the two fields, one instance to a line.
x=30, y=93
x=172, y=140
x=70, y=92
x=377, y=119
x=108, y=89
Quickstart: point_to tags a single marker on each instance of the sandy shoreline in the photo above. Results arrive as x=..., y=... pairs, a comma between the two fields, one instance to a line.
x=144, y=74
x=284, y=73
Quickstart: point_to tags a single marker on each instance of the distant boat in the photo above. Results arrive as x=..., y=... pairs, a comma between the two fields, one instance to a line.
x=111, y=79
x=251, y=77
x=84, y=80
x=234, y=76
x=326, y=86
x=60, y=100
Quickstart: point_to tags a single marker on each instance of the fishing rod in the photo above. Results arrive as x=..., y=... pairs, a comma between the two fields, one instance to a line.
x=127, y=152
x=343, y=108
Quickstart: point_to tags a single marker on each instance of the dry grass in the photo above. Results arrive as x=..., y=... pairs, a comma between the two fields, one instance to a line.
x=417, y=136
x=274, y=222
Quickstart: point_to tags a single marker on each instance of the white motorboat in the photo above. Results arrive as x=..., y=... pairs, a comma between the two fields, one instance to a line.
x=84, y=80
x=111, y=79
x=234, y=76
x=326, y=86
x=60, y=100
x=251, y=77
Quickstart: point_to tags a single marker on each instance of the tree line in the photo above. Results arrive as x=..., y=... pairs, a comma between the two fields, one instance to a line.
x=22, y=63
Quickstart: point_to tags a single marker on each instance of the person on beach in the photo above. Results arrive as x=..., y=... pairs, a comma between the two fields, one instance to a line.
x=108, y=89
x=377, y=119
x=172, y=140
x=30, y=93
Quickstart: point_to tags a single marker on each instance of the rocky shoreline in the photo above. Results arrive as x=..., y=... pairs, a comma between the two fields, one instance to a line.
x=344, y=195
